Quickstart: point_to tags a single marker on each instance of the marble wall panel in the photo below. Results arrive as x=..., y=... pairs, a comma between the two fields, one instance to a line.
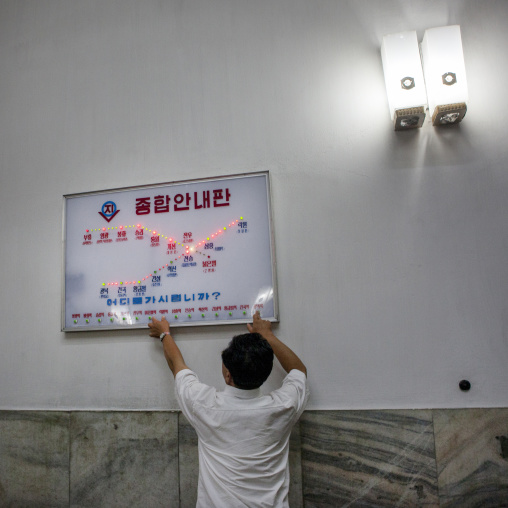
x=189, y=465
x=368, y=459
x=472, y=457
x=34, y=458
x=121, y=459
x=337, y=459
x=295, y=468
x=188, y=462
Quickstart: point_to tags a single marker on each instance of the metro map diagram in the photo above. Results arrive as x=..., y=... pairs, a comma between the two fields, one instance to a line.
x=199, y=253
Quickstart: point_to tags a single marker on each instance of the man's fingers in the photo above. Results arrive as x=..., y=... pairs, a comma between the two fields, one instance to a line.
x=255, y=320
x=152, y=323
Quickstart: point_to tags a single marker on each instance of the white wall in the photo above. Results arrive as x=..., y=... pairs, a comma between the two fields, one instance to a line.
x=391, y=247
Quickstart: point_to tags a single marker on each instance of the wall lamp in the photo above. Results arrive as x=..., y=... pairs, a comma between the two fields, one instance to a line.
x=404, y=81
x=440, y=61
x=445, y=74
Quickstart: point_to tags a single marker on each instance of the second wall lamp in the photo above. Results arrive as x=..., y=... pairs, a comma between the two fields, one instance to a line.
x=432, y=76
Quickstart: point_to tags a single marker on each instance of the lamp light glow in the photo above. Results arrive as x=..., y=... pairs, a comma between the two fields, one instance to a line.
x=445, y=74
x=405, y=85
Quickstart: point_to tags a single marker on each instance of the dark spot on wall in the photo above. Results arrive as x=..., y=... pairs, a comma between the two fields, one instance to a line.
x=503, y=440
x=419, y=491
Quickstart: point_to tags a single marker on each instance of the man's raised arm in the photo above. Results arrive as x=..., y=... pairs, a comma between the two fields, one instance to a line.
x=171, y=350
x=287, y=358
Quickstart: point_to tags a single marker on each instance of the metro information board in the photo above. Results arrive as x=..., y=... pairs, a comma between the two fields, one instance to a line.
x=199, y=252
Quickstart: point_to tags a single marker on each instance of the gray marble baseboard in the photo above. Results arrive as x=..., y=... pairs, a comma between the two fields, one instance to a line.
x=471, y=461
x=337, y=459
x=124, y=459
x=188, y=461
x=34, y=459
x=368, y=459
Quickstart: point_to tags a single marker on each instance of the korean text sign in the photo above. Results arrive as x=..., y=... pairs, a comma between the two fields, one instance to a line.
x=199, y=252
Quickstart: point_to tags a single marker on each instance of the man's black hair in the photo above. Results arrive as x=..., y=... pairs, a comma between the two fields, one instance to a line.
x=249, y=359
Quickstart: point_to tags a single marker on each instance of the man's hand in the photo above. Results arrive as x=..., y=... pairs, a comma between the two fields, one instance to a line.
x=157, y=327
x=287, y=358
x=259, y=325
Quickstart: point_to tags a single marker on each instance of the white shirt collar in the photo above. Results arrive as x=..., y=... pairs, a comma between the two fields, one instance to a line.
x=231, y=391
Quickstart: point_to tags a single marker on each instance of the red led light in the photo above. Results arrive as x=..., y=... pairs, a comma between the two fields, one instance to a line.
x=188, y=248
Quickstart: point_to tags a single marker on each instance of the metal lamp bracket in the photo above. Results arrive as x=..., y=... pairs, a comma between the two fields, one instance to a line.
x=407, y=83
x=449, y=78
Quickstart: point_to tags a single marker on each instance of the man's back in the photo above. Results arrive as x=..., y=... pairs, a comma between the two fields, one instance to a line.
x=243, y=439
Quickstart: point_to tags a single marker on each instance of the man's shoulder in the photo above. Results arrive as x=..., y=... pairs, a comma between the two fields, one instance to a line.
x=187, y=385
x=296, y=372
x=294, y=389
x=295, y=375
x=185, y=373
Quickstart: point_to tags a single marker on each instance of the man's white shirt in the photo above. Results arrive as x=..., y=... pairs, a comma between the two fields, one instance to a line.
x=243, y=439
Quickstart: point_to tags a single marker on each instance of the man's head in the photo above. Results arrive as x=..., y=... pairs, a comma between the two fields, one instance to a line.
x=249, y=360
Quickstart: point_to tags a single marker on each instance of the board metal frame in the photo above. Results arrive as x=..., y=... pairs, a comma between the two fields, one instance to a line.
x=174, y=324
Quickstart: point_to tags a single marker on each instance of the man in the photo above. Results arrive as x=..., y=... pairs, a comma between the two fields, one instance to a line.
x=243, y=436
